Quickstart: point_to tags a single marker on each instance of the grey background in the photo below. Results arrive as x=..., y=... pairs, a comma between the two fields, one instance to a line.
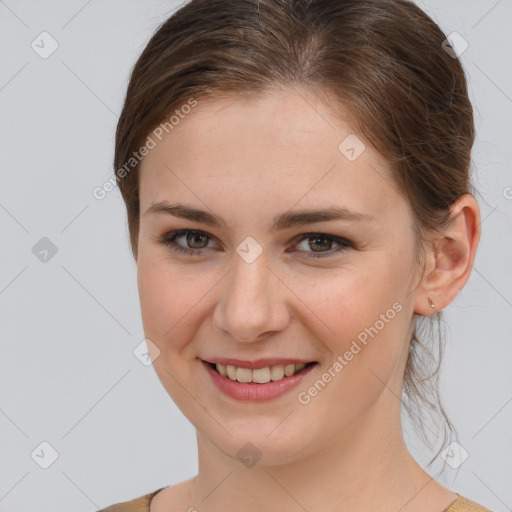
x=68, y=327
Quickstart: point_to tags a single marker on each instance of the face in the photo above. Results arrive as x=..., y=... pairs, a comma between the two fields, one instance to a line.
x=272, y=282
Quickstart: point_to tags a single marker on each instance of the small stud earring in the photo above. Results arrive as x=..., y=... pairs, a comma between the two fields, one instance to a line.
x=432, y=305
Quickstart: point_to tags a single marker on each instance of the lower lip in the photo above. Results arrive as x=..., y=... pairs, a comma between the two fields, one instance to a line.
x=251, y=391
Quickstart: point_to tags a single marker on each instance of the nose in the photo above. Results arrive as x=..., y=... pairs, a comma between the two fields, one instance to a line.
x=252, y=303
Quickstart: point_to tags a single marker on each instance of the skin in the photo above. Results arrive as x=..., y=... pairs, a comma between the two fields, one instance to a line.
x=249, y=160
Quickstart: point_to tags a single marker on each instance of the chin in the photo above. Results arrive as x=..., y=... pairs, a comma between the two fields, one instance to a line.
x=261, y=441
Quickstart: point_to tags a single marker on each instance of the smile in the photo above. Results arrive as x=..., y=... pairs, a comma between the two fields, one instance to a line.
x=255, y=384
x=260, y=375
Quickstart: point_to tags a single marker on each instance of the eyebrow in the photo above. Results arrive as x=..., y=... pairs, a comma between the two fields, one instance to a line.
x=281, y=222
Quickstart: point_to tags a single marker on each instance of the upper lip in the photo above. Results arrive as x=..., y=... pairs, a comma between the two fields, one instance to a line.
x=256, y=363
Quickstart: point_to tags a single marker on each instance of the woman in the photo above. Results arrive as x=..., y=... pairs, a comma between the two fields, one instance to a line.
x=296, y=178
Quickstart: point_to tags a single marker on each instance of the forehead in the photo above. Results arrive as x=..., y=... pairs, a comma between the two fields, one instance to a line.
x=267, y=151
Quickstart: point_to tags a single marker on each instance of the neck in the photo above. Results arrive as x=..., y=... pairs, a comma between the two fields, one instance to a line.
x=361, y=468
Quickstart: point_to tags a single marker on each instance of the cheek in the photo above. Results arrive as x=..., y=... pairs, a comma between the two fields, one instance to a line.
x=347, y=300
x=359, y=314
x=369, y=320
x=168, y=301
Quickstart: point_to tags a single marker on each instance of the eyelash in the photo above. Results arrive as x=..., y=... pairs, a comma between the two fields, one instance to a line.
x=169, y=241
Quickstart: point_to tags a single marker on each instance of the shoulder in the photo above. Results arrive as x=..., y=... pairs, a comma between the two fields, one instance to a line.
x=462, y=504
x=140, y=504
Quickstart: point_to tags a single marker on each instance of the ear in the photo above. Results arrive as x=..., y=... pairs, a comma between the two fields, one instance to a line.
x=450, y=257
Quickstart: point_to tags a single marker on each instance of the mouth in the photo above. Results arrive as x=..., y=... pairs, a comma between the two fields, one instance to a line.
x=260, y=375
x=258, y=383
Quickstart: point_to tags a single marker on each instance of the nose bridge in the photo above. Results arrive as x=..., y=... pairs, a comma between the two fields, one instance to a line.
x=250, y=303
x=249, y=280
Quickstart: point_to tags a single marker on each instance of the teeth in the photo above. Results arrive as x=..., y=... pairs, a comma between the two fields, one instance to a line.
x=277, y=372
x=243, y=375
x=259, y=375
x=231, y=372
x=289, y=369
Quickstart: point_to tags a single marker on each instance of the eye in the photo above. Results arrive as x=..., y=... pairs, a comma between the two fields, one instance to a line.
x=322, y=241
x=197, y=241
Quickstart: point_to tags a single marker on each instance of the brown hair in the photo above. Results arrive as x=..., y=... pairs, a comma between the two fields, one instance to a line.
x=380, y=61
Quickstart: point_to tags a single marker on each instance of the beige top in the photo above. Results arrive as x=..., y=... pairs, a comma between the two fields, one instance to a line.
x=141, y=504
